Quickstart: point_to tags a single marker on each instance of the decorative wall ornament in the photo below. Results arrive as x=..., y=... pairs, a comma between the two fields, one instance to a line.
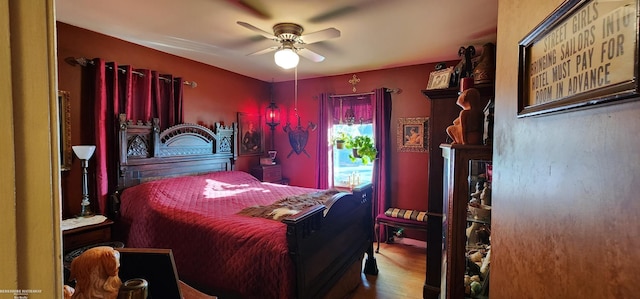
x=298, y=136
x=354, y=81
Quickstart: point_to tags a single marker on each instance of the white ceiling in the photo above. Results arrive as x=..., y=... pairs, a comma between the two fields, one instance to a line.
x=375, y=34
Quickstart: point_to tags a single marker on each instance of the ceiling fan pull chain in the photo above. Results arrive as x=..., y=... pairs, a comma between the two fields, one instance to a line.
x=295, y=88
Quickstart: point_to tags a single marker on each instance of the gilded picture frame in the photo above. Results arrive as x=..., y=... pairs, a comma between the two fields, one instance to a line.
x=64, y=117
x=251, y=138
x=412, y=134
x=583, y=55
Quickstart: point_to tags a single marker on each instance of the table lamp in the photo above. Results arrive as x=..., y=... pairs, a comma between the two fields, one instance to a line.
x=84, y=153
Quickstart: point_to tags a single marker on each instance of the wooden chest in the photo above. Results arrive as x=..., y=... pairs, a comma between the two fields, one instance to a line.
x=268, y=173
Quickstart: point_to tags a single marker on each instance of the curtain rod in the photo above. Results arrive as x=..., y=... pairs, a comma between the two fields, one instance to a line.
x=351, y=95
x=394, y=90
x=84, y=62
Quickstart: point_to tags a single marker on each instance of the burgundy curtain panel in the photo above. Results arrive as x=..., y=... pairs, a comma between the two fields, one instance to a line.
x=176, y=113
x=142, y=95
x=324, y=173
x=381, y=166
x=102, y=153
x=140, y=102
x=167, y=99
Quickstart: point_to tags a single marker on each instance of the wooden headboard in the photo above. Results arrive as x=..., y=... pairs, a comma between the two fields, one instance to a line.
x=147, y=154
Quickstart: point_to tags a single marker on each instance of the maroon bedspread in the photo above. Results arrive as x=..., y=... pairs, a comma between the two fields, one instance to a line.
x=214, y=248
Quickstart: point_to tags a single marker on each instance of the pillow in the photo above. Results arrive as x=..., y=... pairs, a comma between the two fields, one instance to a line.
x=407, y=214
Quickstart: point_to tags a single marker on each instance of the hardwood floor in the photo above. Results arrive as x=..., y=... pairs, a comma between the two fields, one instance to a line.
x=401, y=273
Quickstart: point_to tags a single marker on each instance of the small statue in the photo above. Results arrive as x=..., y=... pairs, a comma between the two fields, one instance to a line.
x=475, y=196
x=485, y=71
x=488, y=123
x=96, y=274
x=467, y=53
x=464, y=69
x=468, y=127
x=485, y=196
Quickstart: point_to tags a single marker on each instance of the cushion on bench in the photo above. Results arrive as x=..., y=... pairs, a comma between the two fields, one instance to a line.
x=400, y=222
x=407, y=214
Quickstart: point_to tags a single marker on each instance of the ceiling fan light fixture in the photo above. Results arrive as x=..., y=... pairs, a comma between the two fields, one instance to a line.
x=286, y=58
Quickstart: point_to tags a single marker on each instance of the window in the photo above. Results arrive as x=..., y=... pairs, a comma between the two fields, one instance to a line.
x=345, y=170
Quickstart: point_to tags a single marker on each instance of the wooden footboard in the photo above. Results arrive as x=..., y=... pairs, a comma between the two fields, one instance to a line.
x=324, y=246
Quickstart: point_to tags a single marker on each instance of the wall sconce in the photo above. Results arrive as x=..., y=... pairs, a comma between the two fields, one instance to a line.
x=273, y=119
x=84, y=153
x=286, y=57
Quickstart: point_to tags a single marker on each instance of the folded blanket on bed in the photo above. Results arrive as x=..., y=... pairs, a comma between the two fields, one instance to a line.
x=290, y=205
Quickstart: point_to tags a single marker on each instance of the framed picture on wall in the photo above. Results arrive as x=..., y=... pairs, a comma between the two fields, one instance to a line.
x=412, y=134
x=251, y=141
x=64, y=110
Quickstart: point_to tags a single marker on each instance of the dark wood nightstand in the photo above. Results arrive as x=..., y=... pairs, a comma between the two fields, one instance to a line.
x=86, y=235
x=269, y=173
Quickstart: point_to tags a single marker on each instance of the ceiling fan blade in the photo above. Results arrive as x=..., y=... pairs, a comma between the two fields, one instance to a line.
x=321, y=35
x=257, y=30
x=255, y=7
x=267, y=50
x=361, y=7
x=308, y=54
x=339, y=12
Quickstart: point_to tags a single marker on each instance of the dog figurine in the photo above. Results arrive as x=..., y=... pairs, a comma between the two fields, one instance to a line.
x=96, y=274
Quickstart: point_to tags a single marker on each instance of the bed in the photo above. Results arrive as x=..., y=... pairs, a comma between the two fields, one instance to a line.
x=177, y=189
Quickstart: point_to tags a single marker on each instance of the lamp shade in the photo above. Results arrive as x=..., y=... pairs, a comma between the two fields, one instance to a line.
x=273, y=115
x=84, y=152
x=286, y=58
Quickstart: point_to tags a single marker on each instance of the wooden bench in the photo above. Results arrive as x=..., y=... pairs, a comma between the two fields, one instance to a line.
x=398, y=222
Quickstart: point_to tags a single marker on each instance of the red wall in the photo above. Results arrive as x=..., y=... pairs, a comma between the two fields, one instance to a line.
x=409, y=170
x=221, y=94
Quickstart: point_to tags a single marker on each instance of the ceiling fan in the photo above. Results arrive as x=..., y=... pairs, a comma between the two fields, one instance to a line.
x=292, y=42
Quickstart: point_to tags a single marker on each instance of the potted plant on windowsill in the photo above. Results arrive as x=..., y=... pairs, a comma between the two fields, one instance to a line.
x=341, y=139
x=363, y=148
